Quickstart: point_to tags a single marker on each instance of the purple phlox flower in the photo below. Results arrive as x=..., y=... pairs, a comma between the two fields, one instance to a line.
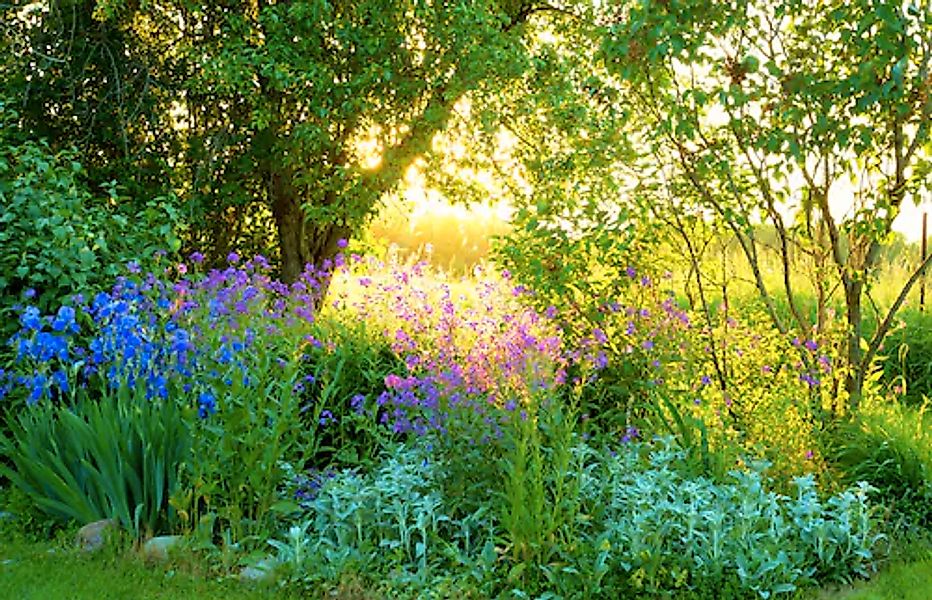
x=196, y=257
x=327, y=417
x=342, y=243
x=705, y=380
x=631, y=271
x=808, y=378
x=811, y=345
x=599, y=336
x=647, y=344
x=631, y=434
x=601, y=361
x=232, y=258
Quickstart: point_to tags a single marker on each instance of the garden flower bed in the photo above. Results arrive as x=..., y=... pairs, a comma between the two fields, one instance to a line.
x=432, y=438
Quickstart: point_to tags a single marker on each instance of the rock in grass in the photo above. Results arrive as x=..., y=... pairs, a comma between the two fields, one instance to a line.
x=158, y=548
x=93, y=536
x=263, y=570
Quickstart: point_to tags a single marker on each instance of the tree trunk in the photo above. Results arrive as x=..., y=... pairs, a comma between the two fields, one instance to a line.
x=854, y=382
x=300, y=242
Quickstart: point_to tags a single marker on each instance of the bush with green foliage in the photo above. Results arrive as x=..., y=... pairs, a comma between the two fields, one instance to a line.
x=346, y=371
x=666, y=531
x=56, y=238
x=392, y=522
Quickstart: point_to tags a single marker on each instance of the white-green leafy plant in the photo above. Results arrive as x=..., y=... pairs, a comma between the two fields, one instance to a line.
x=392, y=520
x=642, y=527
x=667, y=530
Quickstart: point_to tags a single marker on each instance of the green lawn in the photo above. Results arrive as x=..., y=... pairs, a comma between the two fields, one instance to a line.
x=46, y=571
x=49, y=572
x=911, y=581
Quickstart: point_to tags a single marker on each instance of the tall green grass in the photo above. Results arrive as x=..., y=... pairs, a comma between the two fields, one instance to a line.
x=113, y=458
x=889, y=445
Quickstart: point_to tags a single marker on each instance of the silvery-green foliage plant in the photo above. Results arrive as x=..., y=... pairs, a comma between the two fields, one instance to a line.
x=666, y=529
x=392, y=520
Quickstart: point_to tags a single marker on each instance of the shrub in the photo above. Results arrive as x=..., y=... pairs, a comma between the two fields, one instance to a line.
x=56, y=238
x=639, y=526
x=346, y=370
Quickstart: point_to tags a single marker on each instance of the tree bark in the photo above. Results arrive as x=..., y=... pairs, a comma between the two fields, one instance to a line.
x=300, y=242
x=854, y=380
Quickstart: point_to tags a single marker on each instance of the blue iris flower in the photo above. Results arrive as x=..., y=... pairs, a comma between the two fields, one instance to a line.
x=207, y=405
x=31, y=319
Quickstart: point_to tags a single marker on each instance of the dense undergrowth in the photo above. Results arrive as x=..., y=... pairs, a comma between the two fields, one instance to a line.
x=438, y=437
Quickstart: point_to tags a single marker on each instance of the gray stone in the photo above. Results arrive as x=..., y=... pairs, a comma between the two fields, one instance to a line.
x=159, y=547
x=93, y=536
x=263, y=570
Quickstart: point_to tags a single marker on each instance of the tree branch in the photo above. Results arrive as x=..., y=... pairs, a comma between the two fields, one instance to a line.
x=884, y=327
